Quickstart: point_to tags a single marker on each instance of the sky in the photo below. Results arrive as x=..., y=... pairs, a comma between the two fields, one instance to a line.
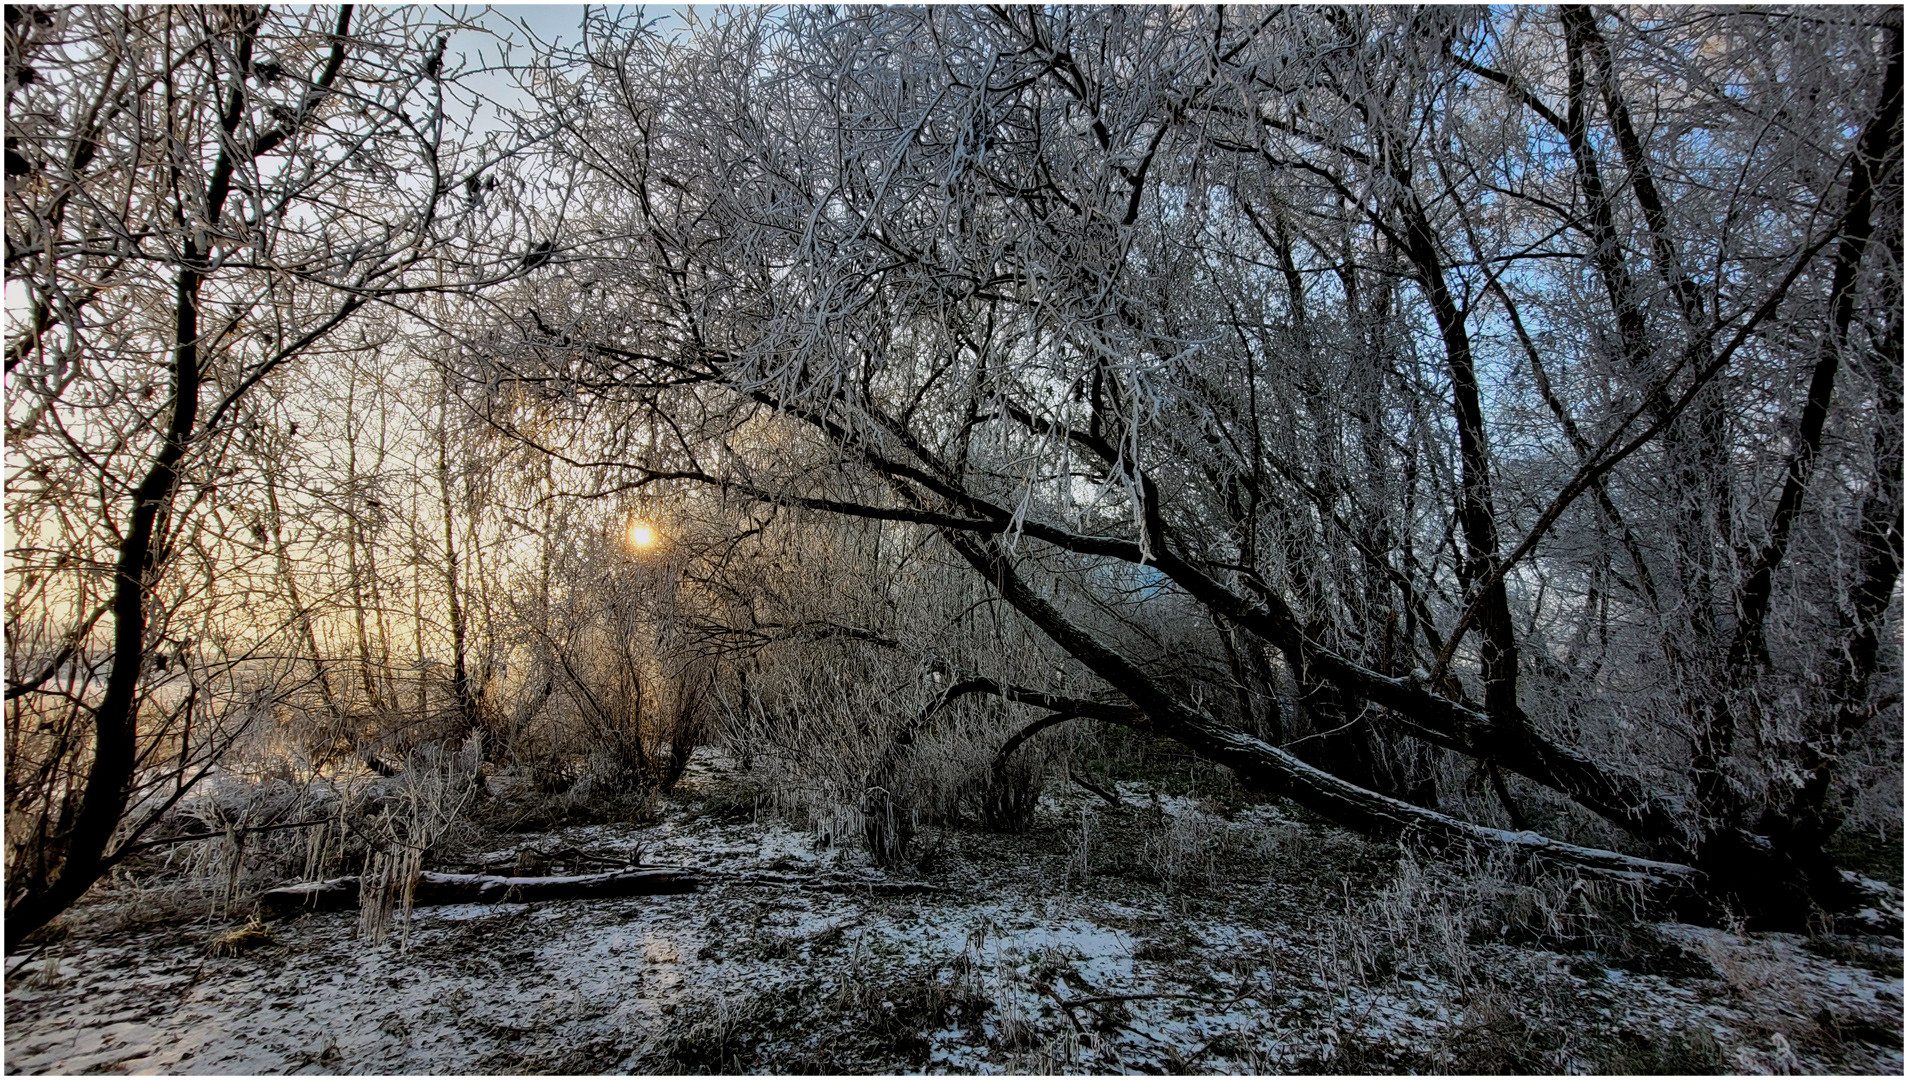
x=548, y=21
x=550, y=24
x=552, y=21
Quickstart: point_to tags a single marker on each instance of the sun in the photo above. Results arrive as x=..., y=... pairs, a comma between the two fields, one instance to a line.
x=641, y=535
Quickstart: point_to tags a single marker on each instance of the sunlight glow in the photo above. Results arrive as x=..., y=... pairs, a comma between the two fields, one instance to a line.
x=642, y=535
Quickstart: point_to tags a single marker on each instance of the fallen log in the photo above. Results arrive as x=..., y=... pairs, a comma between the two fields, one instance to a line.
x=433, y=889
x=837, y=883
x=569, y=857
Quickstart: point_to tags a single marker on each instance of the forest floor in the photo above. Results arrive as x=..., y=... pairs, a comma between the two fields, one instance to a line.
x=1168, y=935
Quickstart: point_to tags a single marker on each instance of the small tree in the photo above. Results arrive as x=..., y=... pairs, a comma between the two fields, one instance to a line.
x=196, y=198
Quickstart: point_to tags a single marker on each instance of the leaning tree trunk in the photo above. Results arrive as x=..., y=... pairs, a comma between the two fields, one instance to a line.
x=1268, y=769
x=115, y=720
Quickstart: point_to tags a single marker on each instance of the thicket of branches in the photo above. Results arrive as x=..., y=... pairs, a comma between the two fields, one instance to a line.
x=1481, y=426
x=198, y=200
x=1522, y=387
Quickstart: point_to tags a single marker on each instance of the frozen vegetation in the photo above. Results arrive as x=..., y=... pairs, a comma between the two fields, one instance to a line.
x=1171, y=934
x=975, y=538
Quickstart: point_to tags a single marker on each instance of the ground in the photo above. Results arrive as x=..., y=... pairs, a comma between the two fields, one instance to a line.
x=1164, y=935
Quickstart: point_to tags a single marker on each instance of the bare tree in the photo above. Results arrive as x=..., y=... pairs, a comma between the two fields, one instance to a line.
x=196, y=197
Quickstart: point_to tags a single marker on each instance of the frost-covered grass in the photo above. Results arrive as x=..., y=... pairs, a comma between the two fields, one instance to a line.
x=1162, y=936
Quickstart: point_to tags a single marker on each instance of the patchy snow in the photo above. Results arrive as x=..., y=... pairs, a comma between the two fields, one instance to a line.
x=1028, y=959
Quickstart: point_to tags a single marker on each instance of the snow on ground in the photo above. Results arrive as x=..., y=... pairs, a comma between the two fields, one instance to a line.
x=1031, y=958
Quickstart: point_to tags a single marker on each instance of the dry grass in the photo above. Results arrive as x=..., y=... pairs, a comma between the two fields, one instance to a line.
x=1185, y=848
x=423, y=810
x=253, y=935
